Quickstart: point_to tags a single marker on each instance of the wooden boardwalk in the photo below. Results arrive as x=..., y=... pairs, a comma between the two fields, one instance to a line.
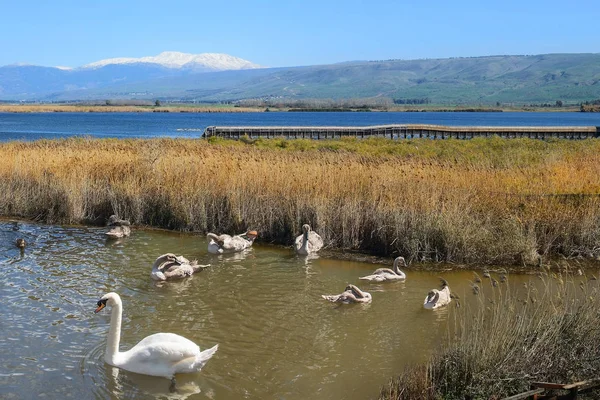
x=403, y=132
x=548, y=391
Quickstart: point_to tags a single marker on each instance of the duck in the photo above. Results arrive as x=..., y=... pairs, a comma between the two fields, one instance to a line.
x=20, y=243
x=222, y=244
x=438, y=298
x=351, y=294
x=118, y=227
x=170, y=266
x=387, y=274
x=309, y=242
x=160, y=354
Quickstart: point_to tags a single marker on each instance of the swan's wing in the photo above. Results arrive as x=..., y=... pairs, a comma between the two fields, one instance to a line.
x=166, y=338
x=379, y=271
x=345, y=297
x=179, y=271
x=220, y=239
x=167, y=265
x=191, y=365
x=315, y=241
x=162, y=347
x=373, y=278
x=299, y=241
x=348, y=297
x=236, y=243
x=444, y=297
x=381, y=274
x=116, y=232
x=182, y=260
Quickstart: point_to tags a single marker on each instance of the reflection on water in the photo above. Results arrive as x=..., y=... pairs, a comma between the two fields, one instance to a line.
x=277, y=337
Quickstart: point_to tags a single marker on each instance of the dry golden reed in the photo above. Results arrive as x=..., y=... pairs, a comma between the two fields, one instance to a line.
x=498, y=201
x=508, y=338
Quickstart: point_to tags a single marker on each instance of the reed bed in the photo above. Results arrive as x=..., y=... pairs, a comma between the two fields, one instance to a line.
x=492, y=201
x=546, y=332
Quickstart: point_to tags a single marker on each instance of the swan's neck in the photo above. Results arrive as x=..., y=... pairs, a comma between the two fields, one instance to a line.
x=114, y=334
x=358, y=292
x=397, y=269
x=163, y=263
x=305, y=241
x=157, y=264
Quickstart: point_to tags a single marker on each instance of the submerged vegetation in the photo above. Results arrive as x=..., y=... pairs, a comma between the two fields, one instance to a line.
x=493, y=201
x=508, y=340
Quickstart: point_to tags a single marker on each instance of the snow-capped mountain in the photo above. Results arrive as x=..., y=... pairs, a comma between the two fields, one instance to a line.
x=174, y=59
x=31, y=81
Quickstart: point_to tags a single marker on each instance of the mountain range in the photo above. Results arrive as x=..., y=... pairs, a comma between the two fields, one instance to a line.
x=213, y=77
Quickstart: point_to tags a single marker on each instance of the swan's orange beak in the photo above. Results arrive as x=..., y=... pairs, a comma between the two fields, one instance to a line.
x=100, y=307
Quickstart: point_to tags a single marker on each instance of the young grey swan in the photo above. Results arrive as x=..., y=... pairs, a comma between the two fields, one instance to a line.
x=170, y=266
x=309, y=242
x=161, y=354
x=438, y=298
x=351, y=294
x=387, y=274
x=222, y=244
x=118, y=227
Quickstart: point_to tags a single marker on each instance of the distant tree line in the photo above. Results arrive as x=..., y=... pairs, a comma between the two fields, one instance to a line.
x=592, y=102
x=558, y=103
x=316, y=104
x=424, y=100
x=590, y=106
x=129, y=102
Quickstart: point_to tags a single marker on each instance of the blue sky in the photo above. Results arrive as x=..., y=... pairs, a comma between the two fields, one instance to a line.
x=289, y=33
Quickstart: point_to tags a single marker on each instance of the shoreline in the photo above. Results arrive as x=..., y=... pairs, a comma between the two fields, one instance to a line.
x=551, y=265
x=81, y=108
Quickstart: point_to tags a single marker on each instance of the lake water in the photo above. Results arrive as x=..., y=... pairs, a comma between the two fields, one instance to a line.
x=277, y=338
x=32, y=126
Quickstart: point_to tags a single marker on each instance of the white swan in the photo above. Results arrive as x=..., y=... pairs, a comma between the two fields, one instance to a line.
x=438, y=298
x=161, y=354
x=170, y=266
x=351, y=294
x=222, y=244
x=387, y=274
x=118, y=227
x=309, y=242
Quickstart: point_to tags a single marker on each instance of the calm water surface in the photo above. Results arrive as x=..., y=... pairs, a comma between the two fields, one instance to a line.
x=32, y=126
x=278, y=339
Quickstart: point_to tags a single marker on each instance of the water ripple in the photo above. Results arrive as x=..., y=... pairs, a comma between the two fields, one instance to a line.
x=277, y=337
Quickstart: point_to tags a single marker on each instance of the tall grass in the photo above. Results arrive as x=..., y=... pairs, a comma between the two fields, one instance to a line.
x=507, y=341
x=491, y=201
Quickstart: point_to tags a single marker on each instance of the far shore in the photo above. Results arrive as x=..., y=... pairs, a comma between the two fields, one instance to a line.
x=229, y=108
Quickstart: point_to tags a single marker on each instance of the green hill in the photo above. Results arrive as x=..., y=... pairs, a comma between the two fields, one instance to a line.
x=486, y=80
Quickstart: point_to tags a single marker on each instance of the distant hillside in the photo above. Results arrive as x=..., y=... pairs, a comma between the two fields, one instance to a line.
x=31, y=82
x=486, y=80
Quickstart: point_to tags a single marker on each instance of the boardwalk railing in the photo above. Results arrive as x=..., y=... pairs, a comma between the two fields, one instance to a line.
x=403, y=132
